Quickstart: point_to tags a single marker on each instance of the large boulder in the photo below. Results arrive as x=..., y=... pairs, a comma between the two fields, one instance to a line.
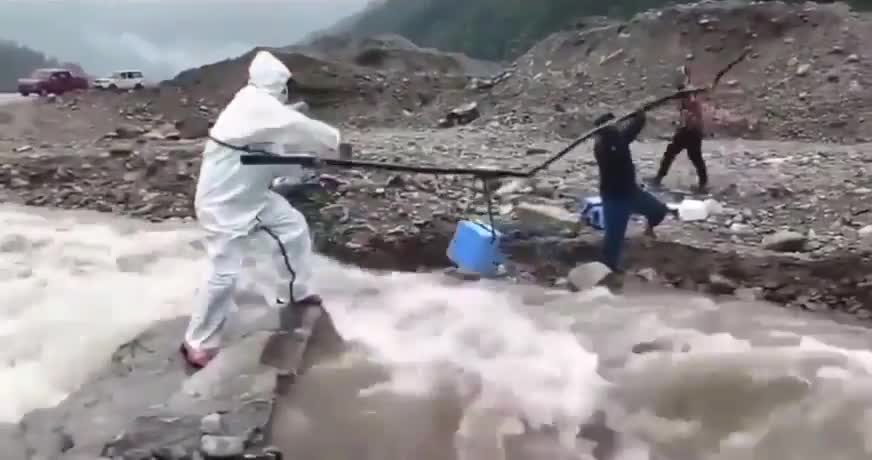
x=785, y=241
x=588, y=276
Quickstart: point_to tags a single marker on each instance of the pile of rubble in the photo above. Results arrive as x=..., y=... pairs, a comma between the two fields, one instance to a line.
x=807, y=77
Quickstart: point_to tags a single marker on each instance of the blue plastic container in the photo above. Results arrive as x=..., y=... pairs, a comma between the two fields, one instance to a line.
x=475, y=250
x=592, y=212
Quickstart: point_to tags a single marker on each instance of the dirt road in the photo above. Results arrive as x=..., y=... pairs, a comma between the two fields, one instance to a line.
x=10, y=98
x=12, y=117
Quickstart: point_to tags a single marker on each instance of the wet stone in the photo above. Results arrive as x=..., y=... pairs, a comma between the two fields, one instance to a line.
x=171, y=453
x=719, y=284
x=128, y=132
x=588, y=276
x=121, y=149
x=652, y=346
x=461, y=275
x=749, y=294
x=222, y=446
x=785, y=241
x=648, y=274
x=213, y=424
x=137, y=454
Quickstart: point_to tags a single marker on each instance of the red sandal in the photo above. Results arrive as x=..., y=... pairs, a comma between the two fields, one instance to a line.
x=197, y=359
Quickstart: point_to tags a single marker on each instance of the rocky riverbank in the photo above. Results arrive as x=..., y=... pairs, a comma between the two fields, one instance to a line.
x=783, y=230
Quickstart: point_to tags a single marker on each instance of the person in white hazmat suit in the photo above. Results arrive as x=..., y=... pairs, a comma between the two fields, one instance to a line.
x=235, y=204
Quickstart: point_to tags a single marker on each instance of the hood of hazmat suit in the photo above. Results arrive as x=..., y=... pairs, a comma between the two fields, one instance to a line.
x=229, y=195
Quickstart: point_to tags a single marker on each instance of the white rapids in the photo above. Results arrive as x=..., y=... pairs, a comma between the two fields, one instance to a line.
x=726, y=381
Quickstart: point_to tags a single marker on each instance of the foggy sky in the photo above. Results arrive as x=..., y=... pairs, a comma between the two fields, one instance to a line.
x=162, y=37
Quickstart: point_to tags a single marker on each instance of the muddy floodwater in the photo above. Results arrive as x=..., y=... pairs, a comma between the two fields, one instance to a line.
x=433, y=368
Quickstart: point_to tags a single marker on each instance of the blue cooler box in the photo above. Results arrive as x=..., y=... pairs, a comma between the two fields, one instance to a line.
x=592, y=213
x=474, y=249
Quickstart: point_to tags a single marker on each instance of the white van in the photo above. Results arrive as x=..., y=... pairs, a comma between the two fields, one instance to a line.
x=124, y=80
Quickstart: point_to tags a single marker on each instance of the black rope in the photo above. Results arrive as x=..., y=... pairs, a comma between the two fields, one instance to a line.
x=257, y=157
x=488, y=196
x=286, y=259
x=312, y=160
x=266, y=158
x=593, y=131
x=242, y=148
x=260, y=157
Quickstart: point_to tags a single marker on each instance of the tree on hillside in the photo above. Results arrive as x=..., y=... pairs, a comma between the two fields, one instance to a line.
x=17, y=61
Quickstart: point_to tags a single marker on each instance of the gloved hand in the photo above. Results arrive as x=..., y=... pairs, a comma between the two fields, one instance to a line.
x=300, y=106
x=316, y=163
x=307, y=161
x=345, y=151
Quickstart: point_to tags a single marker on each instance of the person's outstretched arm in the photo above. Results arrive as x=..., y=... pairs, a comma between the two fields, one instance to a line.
x=632, y=127
x=300, y=135
x=293, y=133
x=260, y=118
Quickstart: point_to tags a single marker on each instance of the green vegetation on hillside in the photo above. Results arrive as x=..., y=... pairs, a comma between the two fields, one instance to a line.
x=494, y=29
x=17, y=62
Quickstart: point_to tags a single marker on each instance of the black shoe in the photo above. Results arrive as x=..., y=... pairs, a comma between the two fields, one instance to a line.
x=614, y=281
x=310, y=301
x=654, y=181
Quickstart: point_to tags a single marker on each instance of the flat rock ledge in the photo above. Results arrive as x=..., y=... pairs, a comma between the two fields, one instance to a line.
x=147, y=404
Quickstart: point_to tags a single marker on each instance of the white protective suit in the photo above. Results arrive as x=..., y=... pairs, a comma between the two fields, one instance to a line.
x=234, y=203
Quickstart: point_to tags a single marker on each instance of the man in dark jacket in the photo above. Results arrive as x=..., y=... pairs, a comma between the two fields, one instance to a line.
x=688, y=137
x=620, y=193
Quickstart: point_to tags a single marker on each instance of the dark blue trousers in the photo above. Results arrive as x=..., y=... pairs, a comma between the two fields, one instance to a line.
x=616, y=215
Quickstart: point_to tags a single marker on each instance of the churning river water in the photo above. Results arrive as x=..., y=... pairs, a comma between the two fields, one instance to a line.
x=726, y=380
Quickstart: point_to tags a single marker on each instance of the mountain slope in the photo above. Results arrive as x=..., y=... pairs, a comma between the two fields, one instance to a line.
x=486, y=29
x=494, y=29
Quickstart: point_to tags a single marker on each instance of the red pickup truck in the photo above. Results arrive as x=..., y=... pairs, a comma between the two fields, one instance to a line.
x=51, y=81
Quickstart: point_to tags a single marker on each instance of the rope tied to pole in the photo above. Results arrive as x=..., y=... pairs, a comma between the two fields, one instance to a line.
x=260, y=157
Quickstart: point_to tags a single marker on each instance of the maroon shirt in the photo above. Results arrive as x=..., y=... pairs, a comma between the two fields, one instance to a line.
x=690, y=113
